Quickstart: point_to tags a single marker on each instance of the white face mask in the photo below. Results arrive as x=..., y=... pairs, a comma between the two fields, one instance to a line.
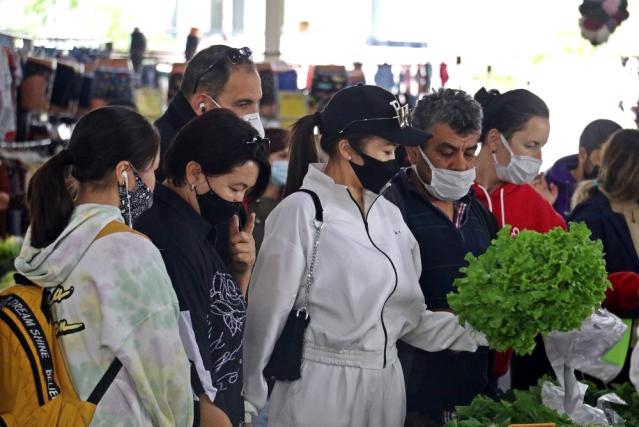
x=445, y=184
x=252, y=119
x=520, y=170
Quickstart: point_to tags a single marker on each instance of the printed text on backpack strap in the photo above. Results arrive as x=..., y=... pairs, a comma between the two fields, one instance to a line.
x=319, y=211
x=27, y=318
x=104, y=383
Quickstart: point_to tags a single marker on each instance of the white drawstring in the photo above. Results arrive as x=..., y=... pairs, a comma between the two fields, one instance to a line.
x=490, y=203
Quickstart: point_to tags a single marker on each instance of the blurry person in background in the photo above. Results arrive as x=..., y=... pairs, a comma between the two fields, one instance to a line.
x=278, y=157
x=610, y=209
x=558, y=184
x=192, y=41
x=137, y=49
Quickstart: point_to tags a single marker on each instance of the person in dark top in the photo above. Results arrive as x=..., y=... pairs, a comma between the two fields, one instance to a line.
x=137, y=49
x=217, y=77
x=448, y=222
x=192, y=41
x=610, y=208
x=215, y=162
x=558, y=184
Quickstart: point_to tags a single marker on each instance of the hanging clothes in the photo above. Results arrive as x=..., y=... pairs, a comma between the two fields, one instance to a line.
x=428, y=77
x=7, y=110
x=443, y=73
x=384, y=77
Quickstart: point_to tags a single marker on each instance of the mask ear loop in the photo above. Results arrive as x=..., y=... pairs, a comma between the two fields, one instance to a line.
x=125, y=175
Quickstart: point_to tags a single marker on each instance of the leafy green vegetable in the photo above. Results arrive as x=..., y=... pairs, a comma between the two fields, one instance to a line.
x=530, y=284
x=517, y=406
x=512, y=407
x=626, y=391
x=9, y=250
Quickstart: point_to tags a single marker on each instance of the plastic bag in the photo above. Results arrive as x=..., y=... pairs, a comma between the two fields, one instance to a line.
x=582, y=349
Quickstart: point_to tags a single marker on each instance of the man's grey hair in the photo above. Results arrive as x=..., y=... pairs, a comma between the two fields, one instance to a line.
x=448, y=106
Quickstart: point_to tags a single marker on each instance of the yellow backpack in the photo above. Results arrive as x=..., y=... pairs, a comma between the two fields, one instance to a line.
x=35, y=386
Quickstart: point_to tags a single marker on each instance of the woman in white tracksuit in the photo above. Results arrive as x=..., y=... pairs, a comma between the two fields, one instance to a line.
x=365, y=294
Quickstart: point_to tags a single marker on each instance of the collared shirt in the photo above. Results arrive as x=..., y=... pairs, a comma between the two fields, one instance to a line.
x=212, y=305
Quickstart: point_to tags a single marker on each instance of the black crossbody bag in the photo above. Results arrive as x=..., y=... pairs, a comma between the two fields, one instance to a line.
x=286, y=359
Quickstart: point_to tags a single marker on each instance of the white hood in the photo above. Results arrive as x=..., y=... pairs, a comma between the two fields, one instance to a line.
x=50, y=266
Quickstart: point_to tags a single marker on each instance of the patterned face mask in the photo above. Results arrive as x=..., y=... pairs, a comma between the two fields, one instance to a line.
x=135, y=203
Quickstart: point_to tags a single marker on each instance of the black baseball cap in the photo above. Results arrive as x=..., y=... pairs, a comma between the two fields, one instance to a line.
x=369, y=110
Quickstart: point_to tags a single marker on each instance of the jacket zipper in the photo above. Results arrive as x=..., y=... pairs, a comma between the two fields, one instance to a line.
x=365, y=220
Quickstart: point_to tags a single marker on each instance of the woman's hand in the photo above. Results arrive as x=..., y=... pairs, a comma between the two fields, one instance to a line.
x=242, y=250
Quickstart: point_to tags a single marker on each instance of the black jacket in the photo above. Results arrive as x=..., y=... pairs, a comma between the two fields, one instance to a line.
x=174, y=118
x=611, y=228
x=212, y=307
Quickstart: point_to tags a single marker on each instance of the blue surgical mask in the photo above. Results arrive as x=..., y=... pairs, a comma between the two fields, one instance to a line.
x=279, y=172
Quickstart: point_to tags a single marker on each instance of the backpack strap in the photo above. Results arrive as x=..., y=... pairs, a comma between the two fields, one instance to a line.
x=105, y=382
x=29, y=330
x=117, y=227
x=114, y=368
x=319, y=211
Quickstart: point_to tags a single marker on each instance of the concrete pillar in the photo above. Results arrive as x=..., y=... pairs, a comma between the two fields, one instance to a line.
x=274, y=24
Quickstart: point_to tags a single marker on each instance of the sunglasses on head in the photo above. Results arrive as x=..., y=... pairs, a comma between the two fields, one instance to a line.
x=260, y=143
x=235, y=56
x=402, y=118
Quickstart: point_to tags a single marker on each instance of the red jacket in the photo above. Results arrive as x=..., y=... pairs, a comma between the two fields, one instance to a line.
x=522, y=207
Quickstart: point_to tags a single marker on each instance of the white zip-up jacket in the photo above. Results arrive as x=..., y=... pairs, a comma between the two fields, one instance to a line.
x=365, y=296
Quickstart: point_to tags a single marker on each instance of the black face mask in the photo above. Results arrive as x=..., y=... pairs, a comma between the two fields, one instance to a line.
x=374, y=174
x=215, y=209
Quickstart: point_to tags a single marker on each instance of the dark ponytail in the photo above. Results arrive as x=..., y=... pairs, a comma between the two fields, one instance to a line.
x=100, y=140
x=509, y=112
x=303, y=152
x=50, y=202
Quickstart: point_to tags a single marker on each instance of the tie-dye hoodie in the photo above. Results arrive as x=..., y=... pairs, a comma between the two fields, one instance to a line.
x=113, y=297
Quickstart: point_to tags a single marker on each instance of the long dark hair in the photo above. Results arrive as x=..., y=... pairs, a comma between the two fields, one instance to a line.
x=219, y=141
x=509, y=112
x=303, y=149
x=100, y=140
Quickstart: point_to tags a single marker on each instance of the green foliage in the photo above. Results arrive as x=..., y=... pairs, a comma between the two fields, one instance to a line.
x=40, y=10
x=526, y=407
x=626, y=391
x=530, y=284
x=9, y=250
x=512, y=407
